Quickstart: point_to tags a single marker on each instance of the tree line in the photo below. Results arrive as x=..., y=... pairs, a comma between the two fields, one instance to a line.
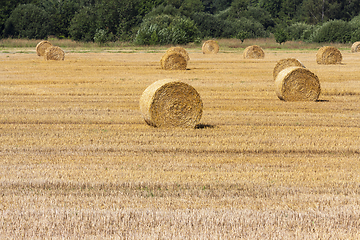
x=181, y=21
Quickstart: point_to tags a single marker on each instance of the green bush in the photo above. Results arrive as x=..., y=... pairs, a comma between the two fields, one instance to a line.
x=165, y=29
x=254, y=28
x=28, y=21
x=333, y=31
x=296, y=30
x=102, y=36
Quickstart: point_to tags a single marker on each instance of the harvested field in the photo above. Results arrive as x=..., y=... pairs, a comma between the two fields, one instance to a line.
x=78, y=160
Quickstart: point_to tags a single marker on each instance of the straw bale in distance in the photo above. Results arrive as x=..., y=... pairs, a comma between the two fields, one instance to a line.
x=297, y=84
x=254, y=52
x=167, y=103
x=355, y=47
x=285, y=63
x=54, y=53
x=42, y=46
x=328, y=55
x=173, y=61
x=180, y=50
x=210, y=47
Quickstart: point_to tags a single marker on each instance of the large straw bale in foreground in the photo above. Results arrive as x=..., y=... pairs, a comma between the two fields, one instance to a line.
x=54, y=53
x=253, y=52
x=285, y=63
x=297, y=84
x=42, y=46
x=173, y=61
x=210, y=47
x=168, y=103
x=328, y=55
x=355, y=47
x=180, y=50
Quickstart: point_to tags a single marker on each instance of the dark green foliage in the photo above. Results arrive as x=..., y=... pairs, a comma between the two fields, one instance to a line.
x=165, y=29
x=121, y=20
x=242, y=35
x=281, y=35
x=260, y=15
x=296, y=31
x=333, y=31
x=209, y=25
x=83, y=25
x=188, y=7
x=61, y=13
x=28, y=21
x=251, y=26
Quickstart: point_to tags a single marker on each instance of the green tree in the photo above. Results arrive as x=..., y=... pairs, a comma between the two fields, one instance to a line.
x=188, y=7
x=242, y=35
x=237, y=8
x=281, y=35
x=83, y=25
x=28, y=21
x=61, y=14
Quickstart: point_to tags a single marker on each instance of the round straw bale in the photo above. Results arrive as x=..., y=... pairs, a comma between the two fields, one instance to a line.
x=168, y=103
x=210, y=47
x=285, y=63
x=42, y=46
x=54, y=53
x=297, y=84
x=355, y=47
x=328, y=55
x=180, y=50
x=173, y=61
x=253, y=52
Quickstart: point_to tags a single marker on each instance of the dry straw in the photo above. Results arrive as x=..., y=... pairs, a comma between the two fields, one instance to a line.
x=42, y=46
x=210, y=47
x=254, y=52
x=168, y=103
x=285, y=63
x=173, y=61
x=180, y=50
x=355, y=47
x=328, y=55
x=54, y=53
x=297, y=84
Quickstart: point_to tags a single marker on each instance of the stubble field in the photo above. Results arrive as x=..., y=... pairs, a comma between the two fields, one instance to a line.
x=78, y=161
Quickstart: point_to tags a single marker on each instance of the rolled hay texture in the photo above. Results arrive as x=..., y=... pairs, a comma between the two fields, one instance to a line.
x=355, y=47
x=167, y=103
x=180, y=50
x=328, y=55
x=210, y=47
x=42, y=46
x=254, y=52
x=297, y=84
x=173, y=61
x=54, y=53
x=285, y=63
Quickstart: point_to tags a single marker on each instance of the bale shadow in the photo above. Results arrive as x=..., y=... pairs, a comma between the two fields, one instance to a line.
x=204, y=126
x=322, y=100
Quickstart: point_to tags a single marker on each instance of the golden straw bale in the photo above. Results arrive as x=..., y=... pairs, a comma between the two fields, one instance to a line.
x=210, y=47
x=285, y=63
x=180, y=50
x=355, y=47
x=173, y=61
x=54, y=53
x=42, y=46
x=253, y=52
x=167, y=103
x=297, y=84
x=328, y=55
